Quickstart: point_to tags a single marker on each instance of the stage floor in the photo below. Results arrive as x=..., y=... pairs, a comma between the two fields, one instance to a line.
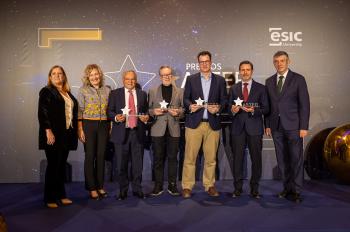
x=326, y=208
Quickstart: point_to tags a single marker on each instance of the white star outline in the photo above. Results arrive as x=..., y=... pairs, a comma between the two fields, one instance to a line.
x=125, y=110
x=199, y=101
x=163, y=104
x=109, y=74
x=238, y=101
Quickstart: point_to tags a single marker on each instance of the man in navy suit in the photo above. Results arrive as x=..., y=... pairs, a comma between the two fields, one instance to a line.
x=288, y=123
x=127, y=108
x=247, y=126
x=205, y=96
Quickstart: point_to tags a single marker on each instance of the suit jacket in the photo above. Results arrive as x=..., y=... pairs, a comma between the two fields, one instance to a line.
x=252, y=123
x=217, y=94
x=52, y=115
x=291, y=107
x=161, y=122
x=116, y=102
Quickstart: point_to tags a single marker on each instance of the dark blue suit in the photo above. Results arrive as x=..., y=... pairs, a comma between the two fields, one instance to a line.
x=128, y=143
x=217, y=94
x=247, y=128
x=290, y=112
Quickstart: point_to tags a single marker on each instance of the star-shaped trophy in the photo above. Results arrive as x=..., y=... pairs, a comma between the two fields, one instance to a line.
x=163, y=104
x=238, y=101
x=125, y=111
x=199, y=101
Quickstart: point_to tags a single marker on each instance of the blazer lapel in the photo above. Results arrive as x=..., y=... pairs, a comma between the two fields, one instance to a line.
x=252, y=90
x=212, y=86
x=173, y=95
x=159, y=95
x=139, y=100
x=199, y=84
x=287, y=82
x=239, y=90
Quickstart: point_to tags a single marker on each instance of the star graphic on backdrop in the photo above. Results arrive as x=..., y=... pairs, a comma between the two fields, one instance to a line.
x=238, y=101
x=125, y=110
x=199, y=101
x=163, y=104
x=143, y=78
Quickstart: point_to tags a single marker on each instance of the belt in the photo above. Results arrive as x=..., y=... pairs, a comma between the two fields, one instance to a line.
x=204, y=120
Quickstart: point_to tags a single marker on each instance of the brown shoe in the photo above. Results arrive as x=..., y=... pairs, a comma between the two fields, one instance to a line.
x=212, y=192
x=52, y=205
x=186, y=193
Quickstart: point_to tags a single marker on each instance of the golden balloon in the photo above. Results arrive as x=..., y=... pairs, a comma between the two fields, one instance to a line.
x=336, y=152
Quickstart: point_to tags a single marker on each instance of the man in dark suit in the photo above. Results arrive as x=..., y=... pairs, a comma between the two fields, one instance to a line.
x=288, y=123
x=247, y=126
x=166, y=107
x=128, y=108
x=205, y=96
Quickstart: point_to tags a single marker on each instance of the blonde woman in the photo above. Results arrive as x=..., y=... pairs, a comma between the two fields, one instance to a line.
x=93, y=128
x=57, y=114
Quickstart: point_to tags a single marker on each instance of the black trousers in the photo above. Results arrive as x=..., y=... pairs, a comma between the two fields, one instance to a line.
x=290, y=159
x=131, y=151
x=239, y=143
x=96, y=136
x=55, y=174
x=165, y=147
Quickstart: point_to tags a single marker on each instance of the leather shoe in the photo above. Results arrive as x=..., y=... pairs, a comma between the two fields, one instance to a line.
x=52, y=205
x=283, y=194
x=102, y=193
x=213, y=192
x=66, y=201
x=139, y=194
x=122, y=195
x=237, y=193
x=255, y=194
x=296, y=198
x=186, y=193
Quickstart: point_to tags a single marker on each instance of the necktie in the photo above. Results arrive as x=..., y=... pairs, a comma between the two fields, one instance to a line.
x=132, y=119
x=245, y=92
x=280, y=84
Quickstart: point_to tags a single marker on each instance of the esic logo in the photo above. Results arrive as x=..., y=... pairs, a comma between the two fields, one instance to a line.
x=285, y=38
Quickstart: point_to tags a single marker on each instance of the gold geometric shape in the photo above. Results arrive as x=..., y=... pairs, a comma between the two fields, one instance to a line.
x=47, y=35
x=336, y=152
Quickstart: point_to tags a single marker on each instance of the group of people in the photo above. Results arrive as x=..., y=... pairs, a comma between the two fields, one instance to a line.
x=279, y=109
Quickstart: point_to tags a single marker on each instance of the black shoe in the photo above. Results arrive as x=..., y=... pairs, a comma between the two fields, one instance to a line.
x=237, y=193
x=255, y=194
x=296, y=198
x=139, y=194
x=283, y=194
x=172, y=190
x=122, y=195
x=156, y=191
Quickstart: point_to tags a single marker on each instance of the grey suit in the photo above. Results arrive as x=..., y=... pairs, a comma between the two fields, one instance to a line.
x=161, y=122
x=165, y=133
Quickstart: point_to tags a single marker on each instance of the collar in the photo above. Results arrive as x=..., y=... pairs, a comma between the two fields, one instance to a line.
x=202, y=76
x=284, y=74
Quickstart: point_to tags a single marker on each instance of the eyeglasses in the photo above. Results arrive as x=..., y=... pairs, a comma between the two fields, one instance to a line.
x=166, y=76
x=204, y=62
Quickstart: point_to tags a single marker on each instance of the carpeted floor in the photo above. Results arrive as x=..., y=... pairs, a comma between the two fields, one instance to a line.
x=326, y=208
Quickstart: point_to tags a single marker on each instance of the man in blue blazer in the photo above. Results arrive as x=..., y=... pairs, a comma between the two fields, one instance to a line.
x=247, y=126
x=205, y=96
x=127, y=109
x=288, y=123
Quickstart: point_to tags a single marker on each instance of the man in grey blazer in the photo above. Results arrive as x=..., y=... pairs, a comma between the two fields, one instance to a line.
x=166, y=107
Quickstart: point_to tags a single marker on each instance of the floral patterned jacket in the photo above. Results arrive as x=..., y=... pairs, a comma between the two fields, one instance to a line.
x=93, y=102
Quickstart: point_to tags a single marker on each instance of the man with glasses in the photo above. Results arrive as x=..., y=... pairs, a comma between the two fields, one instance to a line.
x=205, y=96
x=166, y=107
x=127, y=109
